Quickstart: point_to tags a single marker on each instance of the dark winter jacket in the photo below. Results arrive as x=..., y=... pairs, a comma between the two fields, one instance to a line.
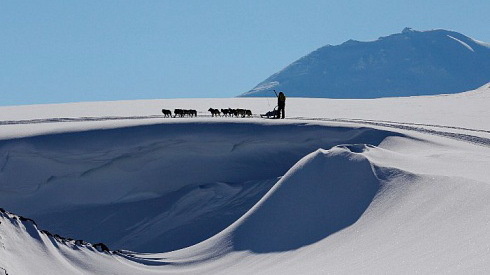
x=281, y=99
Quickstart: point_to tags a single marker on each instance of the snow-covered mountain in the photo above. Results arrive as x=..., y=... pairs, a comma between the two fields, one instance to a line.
x=404, y=64
x=391, y=185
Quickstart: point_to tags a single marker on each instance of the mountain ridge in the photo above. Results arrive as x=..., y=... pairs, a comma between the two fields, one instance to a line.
x=403, y=64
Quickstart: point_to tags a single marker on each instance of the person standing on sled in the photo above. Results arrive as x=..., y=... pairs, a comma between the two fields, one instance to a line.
x=281, y=104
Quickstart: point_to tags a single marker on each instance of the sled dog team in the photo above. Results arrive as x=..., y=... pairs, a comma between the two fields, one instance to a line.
x=231, y=112
x=179, y=112
x=278, y=111
x=214, y=112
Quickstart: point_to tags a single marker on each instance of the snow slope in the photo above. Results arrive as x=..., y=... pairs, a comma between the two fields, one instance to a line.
x=150, y=181
x=342, y=186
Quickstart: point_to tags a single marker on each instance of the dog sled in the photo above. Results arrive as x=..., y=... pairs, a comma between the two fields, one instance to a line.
x=270, y=114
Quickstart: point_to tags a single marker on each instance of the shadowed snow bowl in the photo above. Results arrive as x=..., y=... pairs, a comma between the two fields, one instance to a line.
x=162, y=187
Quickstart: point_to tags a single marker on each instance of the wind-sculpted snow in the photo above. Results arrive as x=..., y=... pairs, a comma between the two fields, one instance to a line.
x=344, y=209
x=265, y=198
x=24, y=249
x=323, y=193
x=159, y=187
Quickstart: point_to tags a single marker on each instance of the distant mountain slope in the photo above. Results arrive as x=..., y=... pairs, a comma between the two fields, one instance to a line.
x=403, y=64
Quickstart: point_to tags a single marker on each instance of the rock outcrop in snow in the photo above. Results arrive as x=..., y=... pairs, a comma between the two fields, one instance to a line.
x=404, y=64
x=24, y=249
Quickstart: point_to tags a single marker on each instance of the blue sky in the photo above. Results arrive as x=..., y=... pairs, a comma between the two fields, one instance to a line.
x=70, y=51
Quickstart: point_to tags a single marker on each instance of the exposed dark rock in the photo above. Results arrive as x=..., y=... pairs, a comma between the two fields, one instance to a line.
x=80, y=242
x=23, y=219
x=101, y=247
x=47, y=233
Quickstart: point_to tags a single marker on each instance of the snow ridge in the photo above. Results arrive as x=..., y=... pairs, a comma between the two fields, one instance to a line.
x=462, y=43
x=323, y=193
x=46, y=253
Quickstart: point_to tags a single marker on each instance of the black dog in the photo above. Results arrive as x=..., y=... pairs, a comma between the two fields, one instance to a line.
x=166, y=113
x=214, y=112
x=178, y=112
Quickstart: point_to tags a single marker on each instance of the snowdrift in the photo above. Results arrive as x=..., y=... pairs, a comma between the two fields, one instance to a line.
x=158, y=187
x=327, y=204
x=323, y=193
x=346, y=210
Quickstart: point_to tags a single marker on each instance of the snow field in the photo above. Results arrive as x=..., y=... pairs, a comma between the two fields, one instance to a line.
x=221, y=196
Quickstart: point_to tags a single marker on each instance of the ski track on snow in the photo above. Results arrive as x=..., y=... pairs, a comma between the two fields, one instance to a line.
x=418, y=127
x=73, y=119
x=415, y=127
